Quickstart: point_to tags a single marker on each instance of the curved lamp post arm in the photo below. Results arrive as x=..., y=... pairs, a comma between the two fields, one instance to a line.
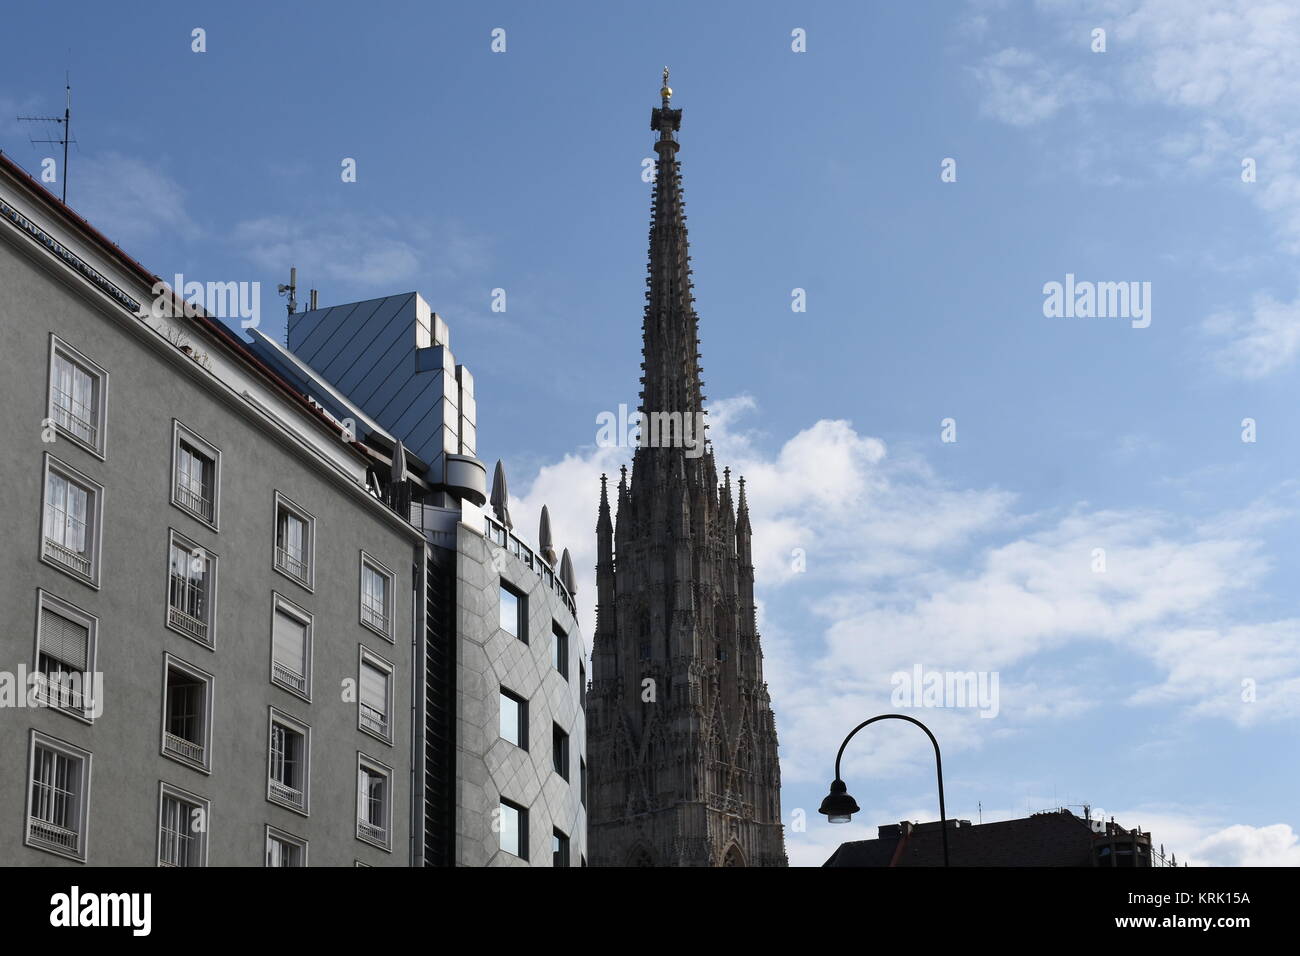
x=938, y=765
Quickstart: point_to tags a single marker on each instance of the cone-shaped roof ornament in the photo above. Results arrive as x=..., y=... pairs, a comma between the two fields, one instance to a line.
x=399, y=462
x=544, y=542
x=566, y=573
x=501, y=496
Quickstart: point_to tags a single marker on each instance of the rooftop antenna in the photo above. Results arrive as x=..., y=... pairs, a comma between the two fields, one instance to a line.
x=290, y=290
x=981, y=809
x=66, y=138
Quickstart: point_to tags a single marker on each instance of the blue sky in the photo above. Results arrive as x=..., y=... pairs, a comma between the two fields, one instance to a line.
x=820, y=170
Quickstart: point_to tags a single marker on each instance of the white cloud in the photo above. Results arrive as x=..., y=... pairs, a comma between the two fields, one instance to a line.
x=1259, y=344
x=1022, y=88
x=1227, y=74
x=128, y=199
x=903, y=569
x=1241, y=845
x=373, y=250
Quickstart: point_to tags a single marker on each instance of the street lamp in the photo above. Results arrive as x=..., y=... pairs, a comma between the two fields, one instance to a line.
x=839, y=806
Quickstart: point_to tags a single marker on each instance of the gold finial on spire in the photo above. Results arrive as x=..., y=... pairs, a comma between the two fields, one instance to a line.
x=667, y=91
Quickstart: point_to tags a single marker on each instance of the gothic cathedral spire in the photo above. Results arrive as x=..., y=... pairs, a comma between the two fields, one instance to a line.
x=681, y=739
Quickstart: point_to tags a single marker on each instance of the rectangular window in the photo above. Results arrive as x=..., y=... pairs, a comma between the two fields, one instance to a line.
x=187, y=713
x=559, y=848
x=514, y=613
x=191, y=586
x=560, y=751
x=514, y=829
x=288, y=762
x=291, y=640
x=582, y=781
x=77, y=392
x=196, y=475
x=374, y=801
x=582, y=685
x=374, y=696
x=295, y=532
x=65, y=656
x=182, y=828
x=284, y=849
x=560, y=650
x=57, y=798
x=71, y=521
x=514, y=719
x=376, y=596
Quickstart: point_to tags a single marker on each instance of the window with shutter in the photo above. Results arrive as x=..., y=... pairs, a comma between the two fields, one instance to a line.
x=289, y=651
x=374, y=698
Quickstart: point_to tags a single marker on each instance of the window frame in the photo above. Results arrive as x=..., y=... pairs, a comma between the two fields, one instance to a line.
x=561, y=767
x=370, y=764
x=85, y=759
x=210, y=624
x=366, y=656
x=181, y=432
x=294, y=725
x=390, y=599
x=66, y=609
x=289, y=506
x=98, y=448
x=172, y=662
x=559, y=649
x=566, y=847
x=166, y=790
x=522, y=811
x=283, y=836
x=521, y=625
x=281, y=603
x=522, y=729
x=95, y=524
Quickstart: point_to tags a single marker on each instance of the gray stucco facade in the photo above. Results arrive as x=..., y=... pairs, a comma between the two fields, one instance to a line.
x=490, y=768
x=267, y=445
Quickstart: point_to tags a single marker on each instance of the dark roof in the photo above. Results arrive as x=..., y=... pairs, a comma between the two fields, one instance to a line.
x=1044, y=839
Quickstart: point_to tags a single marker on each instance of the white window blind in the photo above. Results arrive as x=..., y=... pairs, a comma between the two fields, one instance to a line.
x=374, y=688
x=289, y=643
x=64, y=640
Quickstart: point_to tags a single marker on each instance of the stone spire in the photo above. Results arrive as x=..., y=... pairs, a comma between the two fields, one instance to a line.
x=687, y=776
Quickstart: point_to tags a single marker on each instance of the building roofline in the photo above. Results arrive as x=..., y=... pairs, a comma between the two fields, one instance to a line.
x=234, y=344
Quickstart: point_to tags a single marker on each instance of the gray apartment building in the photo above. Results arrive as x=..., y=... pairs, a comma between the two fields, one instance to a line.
x=254, y=616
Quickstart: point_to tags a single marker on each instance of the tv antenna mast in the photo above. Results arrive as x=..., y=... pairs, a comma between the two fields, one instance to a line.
x=65, y=139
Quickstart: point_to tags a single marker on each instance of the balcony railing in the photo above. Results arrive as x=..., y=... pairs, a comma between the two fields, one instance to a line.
x=188, y=624
x=67, y=557
x=194, y=501
x=289, y=677
x=496, y=532
x=372, y=831
x=372, y=613
x=287, y=794
x=52, y=835
x=64, y=416
x=290, y=565
x=374, y=720
x=57, y=691
x=183, y=748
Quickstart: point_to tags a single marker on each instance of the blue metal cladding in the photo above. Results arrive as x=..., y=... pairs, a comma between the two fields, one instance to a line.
x=368, y=351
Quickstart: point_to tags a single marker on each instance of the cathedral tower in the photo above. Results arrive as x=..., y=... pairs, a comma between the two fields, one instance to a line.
x=680, y=734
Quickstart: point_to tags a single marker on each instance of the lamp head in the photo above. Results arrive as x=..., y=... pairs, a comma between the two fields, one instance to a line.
x=839, y=806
